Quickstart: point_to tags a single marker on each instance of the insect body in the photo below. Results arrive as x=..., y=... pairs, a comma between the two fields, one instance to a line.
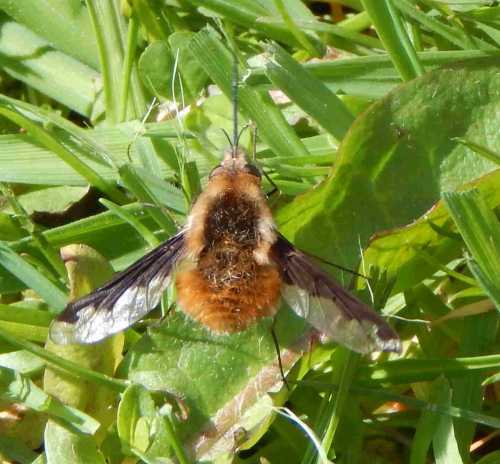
x=231, y=280
x=231, y=267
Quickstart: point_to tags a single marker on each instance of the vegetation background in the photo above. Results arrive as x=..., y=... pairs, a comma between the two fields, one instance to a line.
x=378, y=121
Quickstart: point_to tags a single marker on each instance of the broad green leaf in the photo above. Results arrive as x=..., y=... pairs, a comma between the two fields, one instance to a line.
x=399, y=250
x=14, y=450
x=135, y=415
x=86, y=271
x=152, y=18
x=156, y=68
x=142, y=428
x=217, y=377
x=483, y=151
x=194, y=78
x=64, y=446
x=394, y=163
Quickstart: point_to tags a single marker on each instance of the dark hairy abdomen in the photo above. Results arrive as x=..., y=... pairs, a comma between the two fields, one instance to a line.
x=230, y=238
x=232, y=218
x=228, y=290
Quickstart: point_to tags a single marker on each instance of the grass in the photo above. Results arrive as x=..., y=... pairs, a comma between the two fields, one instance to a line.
x=377, y=121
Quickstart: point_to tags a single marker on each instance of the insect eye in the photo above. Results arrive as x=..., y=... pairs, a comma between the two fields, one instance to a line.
x=251, y=169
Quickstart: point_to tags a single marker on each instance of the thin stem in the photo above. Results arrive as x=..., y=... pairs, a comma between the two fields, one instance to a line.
x=133, y=30
x=174, y=442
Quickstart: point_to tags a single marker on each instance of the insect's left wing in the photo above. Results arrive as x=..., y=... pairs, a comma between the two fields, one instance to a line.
x=328, y=307
x=122, y=301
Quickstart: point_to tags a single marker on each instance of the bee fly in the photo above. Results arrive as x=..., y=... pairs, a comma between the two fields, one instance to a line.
x=230, y=267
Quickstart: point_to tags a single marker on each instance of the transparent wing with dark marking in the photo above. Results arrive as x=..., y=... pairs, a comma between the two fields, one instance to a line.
x=328, y=307
x=125, y=299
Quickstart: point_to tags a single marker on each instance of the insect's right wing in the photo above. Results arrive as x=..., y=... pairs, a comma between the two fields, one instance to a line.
x=328, y=307
x=124, y=300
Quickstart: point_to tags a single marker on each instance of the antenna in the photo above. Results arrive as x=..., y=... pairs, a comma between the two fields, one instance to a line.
x=234, y=98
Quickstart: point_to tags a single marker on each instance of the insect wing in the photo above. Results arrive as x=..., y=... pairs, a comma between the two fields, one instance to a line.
x=329, y=308
x=125, y=299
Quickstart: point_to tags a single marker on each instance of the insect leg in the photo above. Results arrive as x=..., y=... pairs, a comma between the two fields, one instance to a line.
x=278, y=354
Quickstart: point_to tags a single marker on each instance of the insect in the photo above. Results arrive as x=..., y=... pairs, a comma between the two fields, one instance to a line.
x=230, y=267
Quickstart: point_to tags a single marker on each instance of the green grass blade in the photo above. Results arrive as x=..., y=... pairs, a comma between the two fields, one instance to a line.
x=341, y=400
x=411, y=370
x=110, y=32
x=110, y=54
x=136, y=181
x=490, y=458
x=122, y=213
x=69, y=367
x=29, y=117
x=23, y=161
x=29, y=332
x=480, y=230
x=308, y=92
x=32, y=278
x=33, y=230
x=16, y=387
x=394, y=37
x=56, y=21
x=217, y=61
x=253, y=15
x=481, y=150
x=352, y=41
x=299, y=35
x=344, y=366
x=444, y=441
x=428, y=423
x=453, y=34
x=53, y=73
x=132, y=38
x=24, y=315
x=384, y=395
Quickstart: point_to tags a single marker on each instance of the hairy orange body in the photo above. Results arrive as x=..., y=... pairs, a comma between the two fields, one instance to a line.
x=228, y=281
